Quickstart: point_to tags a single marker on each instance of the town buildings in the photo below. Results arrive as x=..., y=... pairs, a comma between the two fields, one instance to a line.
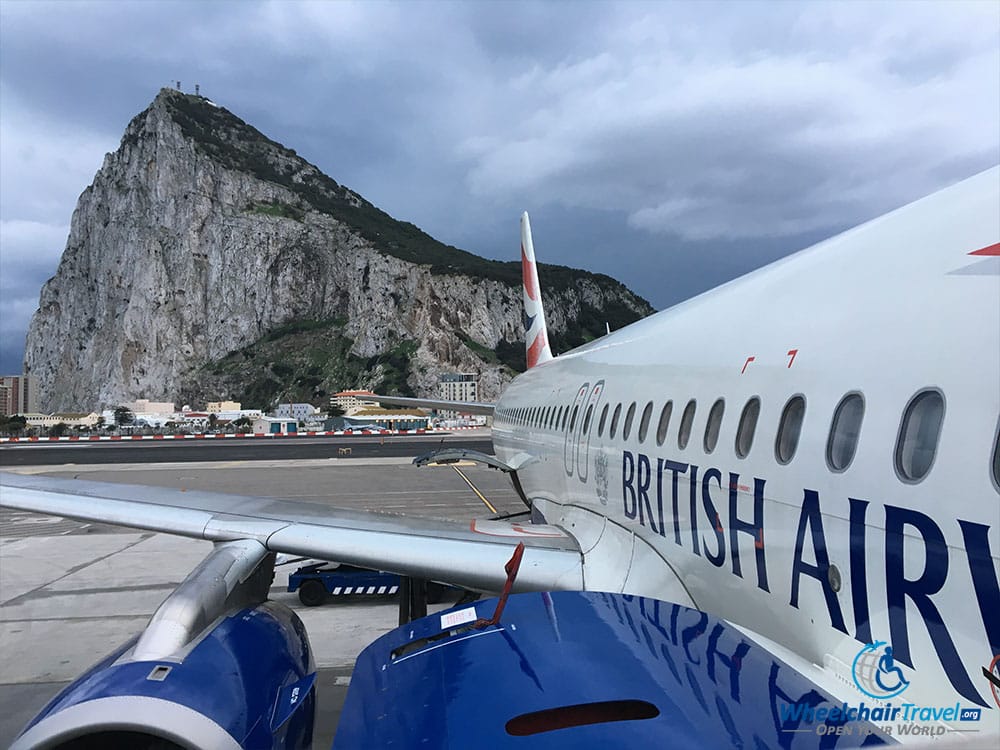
x=18, y=395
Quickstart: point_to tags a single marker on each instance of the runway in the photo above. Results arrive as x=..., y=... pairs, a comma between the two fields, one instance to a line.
x=237, y=449
x=71, y=591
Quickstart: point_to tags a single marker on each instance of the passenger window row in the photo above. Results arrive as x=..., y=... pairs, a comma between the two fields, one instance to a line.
x=916, y=443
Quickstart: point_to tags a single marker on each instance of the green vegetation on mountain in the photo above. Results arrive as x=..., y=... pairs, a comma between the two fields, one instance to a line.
x=305, y=361
x=277, y=208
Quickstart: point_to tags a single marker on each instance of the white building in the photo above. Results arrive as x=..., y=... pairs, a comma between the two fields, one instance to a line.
x=352, y=401
x=295, y=411
x=70, y=419
x=274, y=426
x=457, y=386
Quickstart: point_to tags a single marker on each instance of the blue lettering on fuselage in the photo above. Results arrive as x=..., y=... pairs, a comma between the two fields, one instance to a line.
x=645, y=503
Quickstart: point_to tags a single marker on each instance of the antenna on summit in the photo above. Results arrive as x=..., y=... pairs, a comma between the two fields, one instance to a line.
x=197, y=90
x=178, y=85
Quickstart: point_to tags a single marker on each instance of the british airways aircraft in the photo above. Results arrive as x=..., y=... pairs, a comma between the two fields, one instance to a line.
x=768, y=517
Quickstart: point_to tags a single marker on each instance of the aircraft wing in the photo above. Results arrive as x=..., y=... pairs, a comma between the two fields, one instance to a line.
x=470, y=553
x=470, y=407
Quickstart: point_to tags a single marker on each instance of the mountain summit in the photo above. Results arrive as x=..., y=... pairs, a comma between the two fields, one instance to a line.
x=208, y=261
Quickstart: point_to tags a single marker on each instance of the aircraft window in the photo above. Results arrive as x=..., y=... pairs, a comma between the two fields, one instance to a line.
x=714, y=424
x=547, y=420
x=844, y=431
x=789, y=429
x=604, y=418
x=562, y=425
x=614, y=421
x=747, y=428
x=644, y=422
x=919, y=431
x=627, y=427
x=586, y=419
x=572, y=421
x=687, y=418
x=661, y=429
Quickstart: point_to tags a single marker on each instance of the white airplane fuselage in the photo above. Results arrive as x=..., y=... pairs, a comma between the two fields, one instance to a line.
x=819, y=554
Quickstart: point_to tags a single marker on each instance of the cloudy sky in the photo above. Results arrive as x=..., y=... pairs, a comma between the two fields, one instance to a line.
x=670, y=145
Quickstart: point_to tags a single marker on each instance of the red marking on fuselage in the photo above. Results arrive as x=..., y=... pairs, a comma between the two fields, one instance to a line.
x=746, y=364
x=992, y=250
x=528, y=275
x=792, y=353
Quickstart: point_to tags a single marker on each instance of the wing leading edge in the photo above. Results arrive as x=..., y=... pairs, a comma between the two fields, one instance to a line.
x=470, y=554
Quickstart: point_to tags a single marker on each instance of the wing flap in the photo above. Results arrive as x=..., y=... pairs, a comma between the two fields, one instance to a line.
x=469, y=553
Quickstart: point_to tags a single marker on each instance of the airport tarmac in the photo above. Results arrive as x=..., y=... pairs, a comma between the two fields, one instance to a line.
x=71, y=591
x=235, y=449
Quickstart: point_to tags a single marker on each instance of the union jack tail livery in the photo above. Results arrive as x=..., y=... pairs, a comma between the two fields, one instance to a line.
x=536, y=334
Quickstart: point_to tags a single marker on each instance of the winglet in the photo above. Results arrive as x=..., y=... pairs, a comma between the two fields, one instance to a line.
x=536, y=334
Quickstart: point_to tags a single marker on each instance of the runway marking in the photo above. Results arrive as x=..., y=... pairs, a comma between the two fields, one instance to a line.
x=474, y=488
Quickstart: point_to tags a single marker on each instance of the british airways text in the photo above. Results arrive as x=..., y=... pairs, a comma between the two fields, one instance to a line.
x=721, y=517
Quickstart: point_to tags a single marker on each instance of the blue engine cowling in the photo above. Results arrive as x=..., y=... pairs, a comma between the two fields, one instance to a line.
x=218, y=667
x=247, y=684
x=569, y=670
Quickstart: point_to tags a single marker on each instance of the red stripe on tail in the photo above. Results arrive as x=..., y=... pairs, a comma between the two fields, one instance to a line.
x=528, y=274
x=535, y=349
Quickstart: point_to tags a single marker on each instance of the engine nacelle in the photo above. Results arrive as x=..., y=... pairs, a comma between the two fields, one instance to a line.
x=196, y=678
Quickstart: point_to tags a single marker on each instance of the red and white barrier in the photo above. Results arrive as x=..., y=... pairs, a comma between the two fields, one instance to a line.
x=210, y=436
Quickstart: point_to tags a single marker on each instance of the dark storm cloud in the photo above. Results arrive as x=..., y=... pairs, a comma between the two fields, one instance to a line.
x=671, y=145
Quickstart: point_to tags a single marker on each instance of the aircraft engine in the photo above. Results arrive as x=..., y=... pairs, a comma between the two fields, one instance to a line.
x=217, y=667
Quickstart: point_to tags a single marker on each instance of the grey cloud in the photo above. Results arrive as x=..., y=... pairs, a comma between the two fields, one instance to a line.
x=710, y=137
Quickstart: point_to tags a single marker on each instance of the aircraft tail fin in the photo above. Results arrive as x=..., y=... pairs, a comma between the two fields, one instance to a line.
x=536, y=334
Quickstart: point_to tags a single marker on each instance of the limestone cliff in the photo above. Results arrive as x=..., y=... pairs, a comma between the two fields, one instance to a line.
x=201, y=240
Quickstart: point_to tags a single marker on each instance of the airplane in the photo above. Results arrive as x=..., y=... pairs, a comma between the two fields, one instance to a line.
x=766, y=517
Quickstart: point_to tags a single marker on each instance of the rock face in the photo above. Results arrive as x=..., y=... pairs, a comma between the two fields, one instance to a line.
x=199, y=237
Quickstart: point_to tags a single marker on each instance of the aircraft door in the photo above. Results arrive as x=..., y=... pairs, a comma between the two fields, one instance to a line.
x=572, y=427
x=585, y=426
